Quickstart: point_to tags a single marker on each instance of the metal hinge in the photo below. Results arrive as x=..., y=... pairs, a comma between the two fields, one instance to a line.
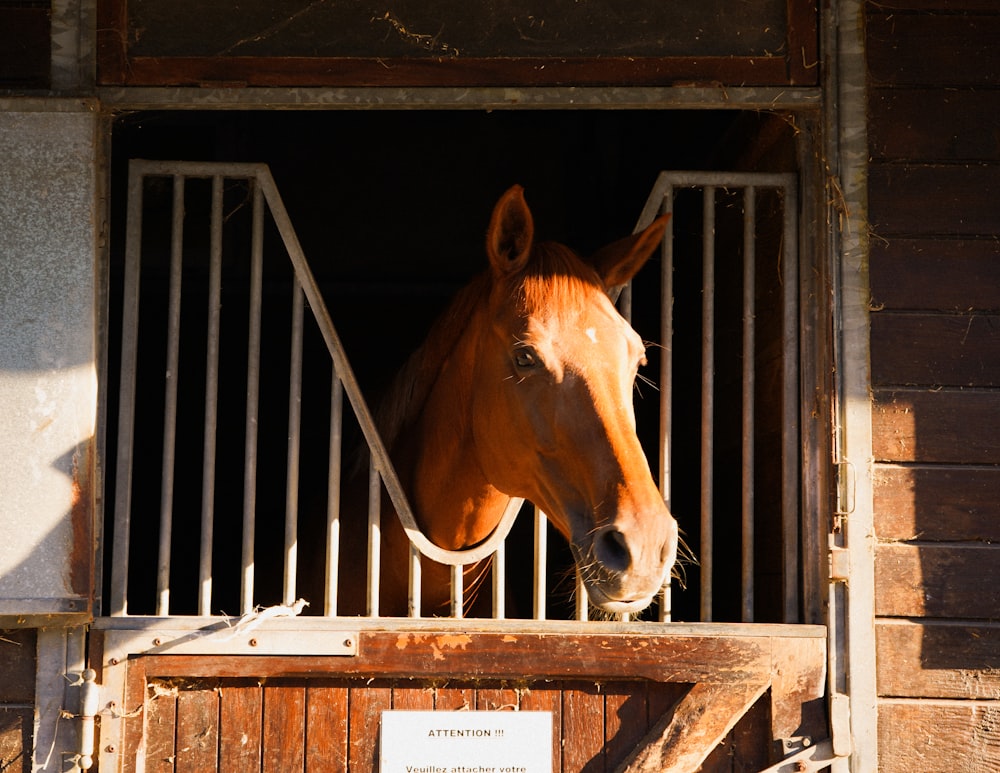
x=846, y=492
x=90, y=697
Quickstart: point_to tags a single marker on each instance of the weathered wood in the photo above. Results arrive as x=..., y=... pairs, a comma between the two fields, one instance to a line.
x=933, y=49
x=937, y=581
x=938, y=659
x=583, y=722
x=198, y=731
x=930, y=125
x=326, y=728
x=944, y=426
x=687, y=659
x=681, y=741
x=546, y=697
x=933, y=199
x=284, y=726
x=938, y=736
x=935, y=274
x=161, y=728
x=934, y=503
x=240, y=718
x=365, y=718
x=912, y=349
x=16, y=740
x=626, y=719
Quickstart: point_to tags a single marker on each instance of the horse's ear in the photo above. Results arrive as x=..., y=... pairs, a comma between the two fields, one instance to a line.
x=511, y=233
x=621, y=260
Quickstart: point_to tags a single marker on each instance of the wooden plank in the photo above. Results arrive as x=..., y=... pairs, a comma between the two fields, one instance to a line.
x=748, y=746
x=626, y=719
x=459, y=71
x=928, y=125
x=547, y=696
x=582, y=726
x=938, y=659
x=284, y=726
x=197, y=744
x=933, y=49
x=161, y=728
x=942, y=426
x=917, y=349
x=455, y=696
x=16, y=739
x=935, y=503
x=954, y=581
x=933, y=199
x=497, y=698
x=326, y=728
x=684, y=738
x=935, y=274
x=682, y=658
x=240, y=729
x=948, y=6
x=367, y=702
x=410, y=696
x=933, y=736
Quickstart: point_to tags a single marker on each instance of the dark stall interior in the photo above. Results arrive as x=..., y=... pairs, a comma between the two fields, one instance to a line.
x=391, y=208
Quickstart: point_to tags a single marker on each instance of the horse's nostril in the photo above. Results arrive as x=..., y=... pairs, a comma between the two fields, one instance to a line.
x=612, y=550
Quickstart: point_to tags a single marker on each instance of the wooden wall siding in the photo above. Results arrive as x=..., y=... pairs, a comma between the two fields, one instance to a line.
x=934, y=180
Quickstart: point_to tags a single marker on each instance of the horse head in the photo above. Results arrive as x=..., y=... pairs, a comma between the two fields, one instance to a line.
x=551, y=413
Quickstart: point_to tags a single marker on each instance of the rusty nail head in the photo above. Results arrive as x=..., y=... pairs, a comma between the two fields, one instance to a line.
x=348, y=642
x=253, y=642
x=113, y=661
x=156, y=642
x=109, y=748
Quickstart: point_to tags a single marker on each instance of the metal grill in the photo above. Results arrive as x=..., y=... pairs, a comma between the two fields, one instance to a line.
x=704, y=188
x=258, y=195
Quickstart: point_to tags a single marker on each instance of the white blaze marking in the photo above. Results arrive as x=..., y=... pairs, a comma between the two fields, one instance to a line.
x=591, y=334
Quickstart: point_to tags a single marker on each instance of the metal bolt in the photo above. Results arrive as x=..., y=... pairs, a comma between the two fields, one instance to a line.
x=252, y=642
x=348, y=643
x=157, y=642
x=110, y=748
x=800, y=766
x=113, y=661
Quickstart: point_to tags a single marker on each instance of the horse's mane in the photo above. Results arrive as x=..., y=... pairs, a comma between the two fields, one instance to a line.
x=408, y=390
x=552, y=276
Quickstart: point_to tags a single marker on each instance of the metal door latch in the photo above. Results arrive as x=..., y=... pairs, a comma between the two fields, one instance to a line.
x=809, y=758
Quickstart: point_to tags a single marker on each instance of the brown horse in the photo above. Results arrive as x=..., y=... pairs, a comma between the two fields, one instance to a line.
x=523, y=388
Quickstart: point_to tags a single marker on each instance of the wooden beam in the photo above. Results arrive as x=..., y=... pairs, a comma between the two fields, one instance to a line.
x=688, y=732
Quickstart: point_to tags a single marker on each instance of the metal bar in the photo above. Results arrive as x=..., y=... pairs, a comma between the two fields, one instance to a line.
x=457, y=591
x=170, y=398
x=294, y=445
x=582, y=604
x=666, y=369
x=126, y=395
x=748, y=386
x=540, y=564
x=253, y=403
x=333, y=493
x=374, y=537
x=666, y=342
x=211, y=401
x=500, y=582
x=415, y=594
x=707, y=398
x=790, y=405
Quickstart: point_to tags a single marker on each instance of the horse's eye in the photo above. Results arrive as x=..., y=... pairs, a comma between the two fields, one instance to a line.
x=525, y=357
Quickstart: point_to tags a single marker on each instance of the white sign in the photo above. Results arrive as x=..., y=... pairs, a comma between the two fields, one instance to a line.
x=466, y=742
